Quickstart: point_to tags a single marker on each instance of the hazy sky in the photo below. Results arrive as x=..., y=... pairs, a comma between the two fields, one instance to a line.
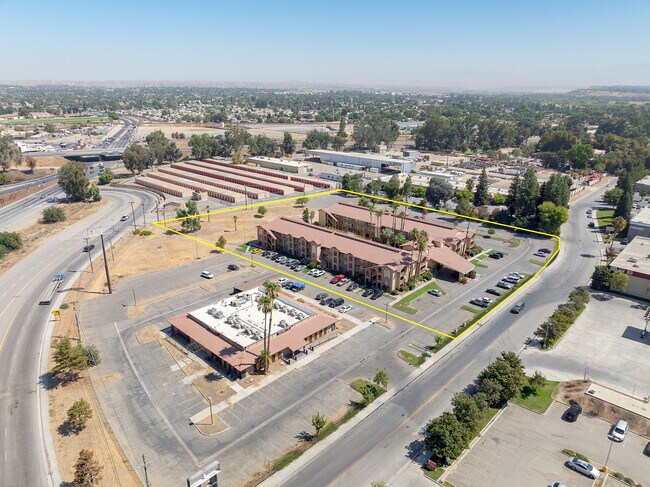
x=476, y=44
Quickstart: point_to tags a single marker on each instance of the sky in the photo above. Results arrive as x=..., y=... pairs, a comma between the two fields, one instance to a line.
x=489, y=44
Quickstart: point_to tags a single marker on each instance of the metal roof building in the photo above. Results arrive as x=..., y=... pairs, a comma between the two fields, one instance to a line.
x=370, y=161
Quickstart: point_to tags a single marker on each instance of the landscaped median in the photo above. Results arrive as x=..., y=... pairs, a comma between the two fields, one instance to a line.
x=403, y=304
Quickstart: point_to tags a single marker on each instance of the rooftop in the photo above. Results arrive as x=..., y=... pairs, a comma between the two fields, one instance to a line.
x=643, y=217
x=635, y=257
x=357, y=155
x=275, y=160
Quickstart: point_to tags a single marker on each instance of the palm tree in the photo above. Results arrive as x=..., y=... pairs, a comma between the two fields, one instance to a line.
x=413, y=236
x=387, y=235
x=234, y=219
x=422, y=244
x=399, y=239
x=263, y=358
x=393, y=207
x=265, y=305
x=402, y=215
x=272, y=290
x=379, y=214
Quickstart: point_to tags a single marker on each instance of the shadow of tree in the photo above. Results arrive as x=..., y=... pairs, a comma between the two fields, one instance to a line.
x=65, y=429
x=304, y=436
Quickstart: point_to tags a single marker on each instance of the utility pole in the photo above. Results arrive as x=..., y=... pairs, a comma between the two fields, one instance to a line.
x=211, y=416
x=144, y=215
x=108, y=276
x=89, y=257
x=146, y=475
x=133, y=214
x=611, y=443
x=111, y=247
x=135, y=302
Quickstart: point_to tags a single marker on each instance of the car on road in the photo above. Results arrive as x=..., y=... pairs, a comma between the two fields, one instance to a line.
x=88, y=248
x=207, y=274
x=583, y=467
x=619, y=431
x=377, y=294
x=518, y=308
x=321, y=296
x=571, y=414
x=352, y=287
x=591, y=224
x=646, y=450
x=545, y=251
x=540, y=254
x=504, y=285
x=336, y=279
x=493, y=291
x=496, y=255
x=368, y=292
x=346, y=308
x=282, y=280
x=435, y=292
x=232, y=267
x=124, y=218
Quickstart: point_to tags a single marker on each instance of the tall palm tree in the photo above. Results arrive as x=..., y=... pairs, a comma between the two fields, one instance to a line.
x=272, y=290
x=234, y=219
x=393, y=207
x=422, y=244
x=413, y=236
x=387, y=235
x=265, y=305
x=379, y=214
x=402, y=215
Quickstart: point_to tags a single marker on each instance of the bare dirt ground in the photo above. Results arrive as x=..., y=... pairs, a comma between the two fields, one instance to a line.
x=50, y=161
x=34, y=235
x=575, y=391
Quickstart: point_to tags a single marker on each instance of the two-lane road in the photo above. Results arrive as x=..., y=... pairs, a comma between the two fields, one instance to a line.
x=22, y=332
x=385, y=442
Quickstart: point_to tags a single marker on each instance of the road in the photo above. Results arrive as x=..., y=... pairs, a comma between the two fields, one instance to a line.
x=385, y=442
x=23, y=333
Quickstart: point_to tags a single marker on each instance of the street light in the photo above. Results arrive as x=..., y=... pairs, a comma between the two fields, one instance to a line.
x=211, y=416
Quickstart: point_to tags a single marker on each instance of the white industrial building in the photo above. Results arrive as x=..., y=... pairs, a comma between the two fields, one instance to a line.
x=372, y=162
x=297, y=167
x=639, y=225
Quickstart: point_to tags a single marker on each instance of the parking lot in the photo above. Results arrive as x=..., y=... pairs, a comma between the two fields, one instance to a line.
x=613, y=354
x=525, y=448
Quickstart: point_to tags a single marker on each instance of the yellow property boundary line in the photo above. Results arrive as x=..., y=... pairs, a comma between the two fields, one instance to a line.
x=161, y=224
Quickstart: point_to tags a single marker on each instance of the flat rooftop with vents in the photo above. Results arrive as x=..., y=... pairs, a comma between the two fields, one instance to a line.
x=634, y=260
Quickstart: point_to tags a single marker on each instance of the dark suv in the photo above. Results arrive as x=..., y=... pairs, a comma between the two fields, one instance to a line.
x=573, y=412
x=336, y=302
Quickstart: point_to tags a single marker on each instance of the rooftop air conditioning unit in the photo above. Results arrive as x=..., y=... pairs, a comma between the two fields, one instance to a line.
x=632, y=259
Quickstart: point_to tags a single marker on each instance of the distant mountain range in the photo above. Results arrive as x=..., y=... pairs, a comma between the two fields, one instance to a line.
x=627, y=93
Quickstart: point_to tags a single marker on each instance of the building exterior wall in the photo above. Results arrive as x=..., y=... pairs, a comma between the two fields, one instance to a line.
x=638, y=230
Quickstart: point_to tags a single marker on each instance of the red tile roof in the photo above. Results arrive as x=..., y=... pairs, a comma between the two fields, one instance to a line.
x=450, y=259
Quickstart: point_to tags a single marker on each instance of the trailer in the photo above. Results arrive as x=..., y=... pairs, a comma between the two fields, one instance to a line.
x=52, y=289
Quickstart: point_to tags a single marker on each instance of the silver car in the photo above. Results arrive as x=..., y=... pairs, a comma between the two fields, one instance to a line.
x=583, y=467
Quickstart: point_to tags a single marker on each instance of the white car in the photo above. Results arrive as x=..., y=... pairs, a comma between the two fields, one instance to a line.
x=317, y=273
x=583, y=467
x=345, y=309
x=619, y=431
x=282, y=280
x=207, y=274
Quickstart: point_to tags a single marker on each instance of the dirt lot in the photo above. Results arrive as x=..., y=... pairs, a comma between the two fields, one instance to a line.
x=575, y=391
x=34, y=235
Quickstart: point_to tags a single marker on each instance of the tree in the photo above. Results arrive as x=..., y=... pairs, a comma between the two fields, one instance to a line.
x=9, y=152
x=482, y=197
x=87, y=470
x=503, y=379
x=272, y=290
x=306, y=216
x=93, y=193
x=78, y=415
x=234, y=220
x=221, y=242
x=106, y=177
x=53, y=214
x=619, y=223
x=579, y=155
x=303, y=200
x=557, y=190
x=498, y=199
x=338, y=142
x=189, y=223
x=352, y=183
x=261, y=210
x=392, y=188
x=381, y=378
x=368, y=393
x=438, y=192
x=619, y=281
x=265, y=305
x=70, y=360
x=318, y=421
x=537, y=380
x=551, y=217
x=407, y=188
x=613, y=196
x=261, y=145
x=601, y=278
x=31, y=163
x=464, y=207
x=466, y=410
x=288, y=144
x=317, y=139
x=447, y=437
x=374, y=130
x=137, y=158
x=624, y=207
x=73, y=180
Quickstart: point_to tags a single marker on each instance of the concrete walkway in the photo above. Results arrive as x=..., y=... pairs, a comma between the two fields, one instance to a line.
x=632, y=404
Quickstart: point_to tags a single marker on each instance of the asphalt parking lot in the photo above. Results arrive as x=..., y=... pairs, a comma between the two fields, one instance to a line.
x=525, y=448
x=613, y=353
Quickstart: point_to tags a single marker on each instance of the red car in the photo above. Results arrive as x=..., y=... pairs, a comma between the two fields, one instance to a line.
x=545, y=251
x=336, y=279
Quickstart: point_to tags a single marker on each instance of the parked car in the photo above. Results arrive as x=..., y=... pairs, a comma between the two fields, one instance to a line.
x=321, y=296
x=287, y=285
x=299, y=268
x=326, y=301
x=352, y=286
x=540, y=254
x=545, y=251
x=496, y=292
x=646, y=450
x=343, y=282
x=591, y=225
x=435, y=292
x=571, y=414
x=479, y=302
x=256, y=250
x=504, y=285
x=377, y=294
x=124, y=218
x=335, y=303
x=517, y=275
x=511, y=280
x=557, y=484
x=319, y=273
x=345, y=309
x=496, y=255
x=583, y=467
x=518, y=308
x=282, y=280
x=207, y=274
x=233, y=267
x=88, y=248
x=368, y=292
x=619, y=431
x=336, y=279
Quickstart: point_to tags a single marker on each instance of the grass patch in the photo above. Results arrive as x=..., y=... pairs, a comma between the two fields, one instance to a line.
x=488, y=414
x=471, y=309
x=286, y=459
x=515, y=242
x=403, y=304
x=433, y=474
x=327, y=430
x=242, y=248
x=477, y=263
x=575, y=454
x=537, y=262
x=359, y=384
x=604, y=218
x=351, y=412
x=536, y=400
x=440, y=344
x=483, y=256
x=411, y=358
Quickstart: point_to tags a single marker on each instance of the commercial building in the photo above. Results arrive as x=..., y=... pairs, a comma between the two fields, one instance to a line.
x=183, y=170
x=373, y=263
x=297, y=167
x=639, y=225
x=634, y=261
x=643, y=185
x=230, y=332
x=372, y=162
x=165, y=187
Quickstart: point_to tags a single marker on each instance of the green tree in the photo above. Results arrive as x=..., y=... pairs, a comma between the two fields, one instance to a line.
x=381, y=378
x=53, y=214
x=352, y=183
x=537, y=380
x=601, y=277
x=303, y=200
x=221, y=242
x=70, y=360
x=31, y=163
x=189, y=222
x=438, y=192
x=557, y=190
x=504, y=378
x=318, y=421
x=619, y=223
x=288, y=144
x=272, y=290
x=407, y=188
x=580, y=155
x=368, y=393
x=498, y=199
x=306, y=215
x=261, y=145
x=464, y=207
x=317, y=139
x=619, y=281
x=481, y=196
x=49, y=128
x=613, y=196
x=87, y=470
x=551, y=217
x=261, y=210
x=137, y=158
x=78, y=415
x=624, y=207
x=106, y=177
x=392, y=189
x=73, y=180
x=447, y=437
x=466, y=410
x=93, y=193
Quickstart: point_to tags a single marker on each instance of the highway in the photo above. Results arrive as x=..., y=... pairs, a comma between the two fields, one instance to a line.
x=24, y=337
x=383, y=444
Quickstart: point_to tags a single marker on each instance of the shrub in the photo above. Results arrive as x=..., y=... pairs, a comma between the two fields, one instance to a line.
x=311, y=265
x=471, y=274
x=64, y=306
x=11, y=240
x=491, y=231
x=145, y=233
x=136, y=231
x=411, y=285
x=427, y=276
x=53, y=214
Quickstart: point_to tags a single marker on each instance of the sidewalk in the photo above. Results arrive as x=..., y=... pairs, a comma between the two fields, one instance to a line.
x=620, y=399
